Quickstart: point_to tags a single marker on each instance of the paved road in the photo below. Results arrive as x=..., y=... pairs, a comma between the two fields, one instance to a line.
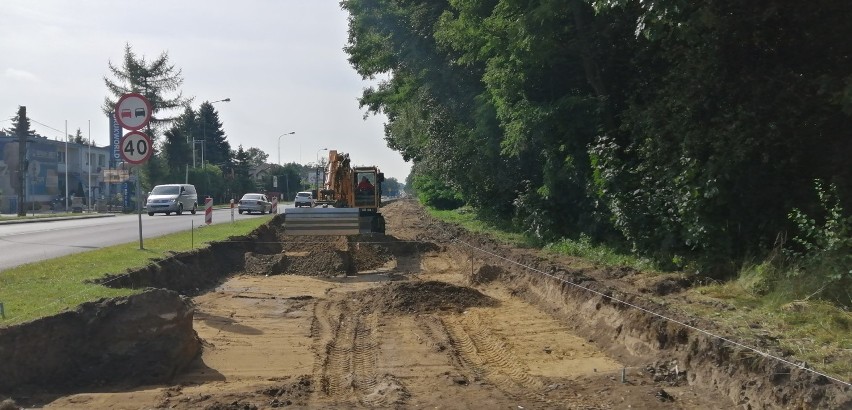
x=23, y=243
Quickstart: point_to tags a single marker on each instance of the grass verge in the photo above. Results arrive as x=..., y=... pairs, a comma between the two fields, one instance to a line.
x=581, y=248
x=813, y=331
x=51, y=286
x=599, y=254
x=467, y=218
x=759, y=311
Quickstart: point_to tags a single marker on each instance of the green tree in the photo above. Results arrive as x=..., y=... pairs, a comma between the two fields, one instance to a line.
x=437, y=194
x=243, y=182
x=685, y=130
x=256, y=157
x=217, y=149
x=156, y=80
x=209, y=180
x=176, y=147
x=289, y=179
x=437, y=116
x=78, y=138
x=391, y=187
x=722, y=130
x=159, y=81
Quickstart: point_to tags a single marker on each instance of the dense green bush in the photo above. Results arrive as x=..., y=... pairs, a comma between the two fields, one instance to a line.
x=822, y=248
x=436, y=193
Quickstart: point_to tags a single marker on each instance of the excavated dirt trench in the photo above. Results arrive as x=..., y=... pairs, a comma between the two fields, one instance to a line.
x=430, y=316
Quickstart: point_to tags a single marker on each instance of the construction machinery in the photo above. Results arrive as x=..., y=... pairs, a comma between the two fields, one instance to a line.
x=347, y=203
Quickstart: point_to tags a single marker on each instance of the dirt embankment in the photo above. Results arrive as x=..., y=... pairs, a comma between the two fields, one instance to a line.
x=141, y=339
x=432, y=316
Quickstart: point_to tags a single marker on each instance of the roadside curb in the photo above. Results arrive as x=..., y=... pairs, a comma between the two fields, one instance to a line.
x=50, y=219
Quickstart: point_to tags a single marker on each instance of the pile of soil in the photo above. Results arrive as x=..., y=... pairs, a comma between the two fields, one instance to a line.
x=425, y=297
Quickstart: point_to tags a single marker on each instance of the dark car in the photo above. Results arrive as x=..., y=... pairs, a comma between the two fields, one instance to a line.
x=254, y=203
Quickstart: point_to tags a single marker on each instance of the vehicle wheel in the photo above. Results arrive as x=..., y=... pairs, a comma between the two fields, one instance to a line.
x=194, y=209
x=262, y=211
x=180, y=209
x=150, y=214
x=240, y=211
x=168, y=213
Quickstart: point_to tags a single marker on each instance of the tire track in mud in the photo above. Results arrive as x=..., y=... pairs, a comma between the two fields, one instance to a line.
x=346, y=346
x=490, y=358
x=435, y=334
x=324, y=330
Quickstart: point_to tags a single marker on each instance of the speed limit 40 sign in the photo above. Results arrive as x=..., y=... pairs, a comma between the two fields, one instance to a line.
x=136, y=147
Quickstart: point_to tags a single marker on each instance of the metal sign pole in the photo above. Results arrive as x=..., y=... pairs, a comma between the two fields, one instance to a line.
x=139, y=208
x=133, y=112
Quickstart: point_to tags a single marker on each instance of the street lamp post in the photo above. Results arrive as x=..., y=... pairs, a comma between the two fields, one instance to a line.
x=318, y=169
x=318, y=151
x=89, y=169
x=67, y=169
x=279, y=144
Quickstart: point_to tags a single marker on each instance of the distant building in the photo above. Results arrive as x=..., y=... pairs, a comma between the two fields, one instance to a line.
x=257, y=173
x=47, y=167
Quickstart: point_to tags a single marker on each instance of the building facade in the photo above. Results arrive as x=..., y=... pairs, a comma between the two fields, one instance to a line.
x=48, y=164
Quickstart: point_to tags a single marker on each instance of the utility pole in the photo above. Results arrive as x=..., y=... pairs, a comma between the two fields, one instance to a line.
x=22, y=158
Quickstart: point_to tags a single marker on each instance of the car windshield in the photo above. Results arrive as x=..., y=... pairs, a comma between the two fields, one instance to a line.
x=306, y=194
x=165, y=190
x=255, y=197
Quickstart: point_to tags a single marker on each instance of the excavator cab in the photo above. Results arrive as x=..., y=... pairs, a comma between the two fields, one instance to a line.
x=368, y=189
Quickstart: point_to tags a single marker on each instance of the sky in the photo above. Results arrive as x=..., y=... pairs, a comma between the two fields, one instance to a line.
x=281, y=62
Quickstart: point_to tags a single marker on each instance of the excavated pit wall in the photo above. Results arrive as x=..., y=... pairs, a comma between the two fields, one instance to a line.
x=192, y=272
x=750, y=380
x=139, y=339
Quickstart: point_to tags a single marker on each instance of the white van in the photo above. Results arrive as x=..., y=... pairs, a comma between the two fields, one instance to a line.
x=172, y=198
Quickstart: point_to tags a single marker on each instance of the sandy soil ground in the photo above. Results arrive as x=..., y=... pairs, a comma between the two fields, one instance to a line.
x=411, y=333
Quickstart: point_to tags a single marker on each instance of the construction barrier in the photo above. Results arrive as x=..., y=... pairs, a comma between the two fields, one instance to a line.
x=208, y=211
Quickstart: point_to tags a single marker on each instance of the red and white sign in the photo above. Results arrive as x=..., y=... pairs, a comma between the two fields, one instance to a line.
x=135, y=147
x=133, y=111
x=274, y=209
x=208, y=211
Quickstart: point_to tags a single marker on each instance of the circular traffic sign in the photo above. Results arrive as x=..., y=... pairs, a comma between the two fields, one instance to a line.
x=136, y=147
x=133, y=111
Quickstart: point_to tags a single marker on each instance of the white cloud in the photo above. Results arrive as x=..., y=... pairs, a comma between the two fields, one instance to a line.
x=14, y=74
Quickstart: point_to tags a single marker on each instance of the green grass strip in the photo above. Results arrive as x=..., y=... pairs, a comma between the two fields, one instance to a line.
x=48, y=287
x=599, y=254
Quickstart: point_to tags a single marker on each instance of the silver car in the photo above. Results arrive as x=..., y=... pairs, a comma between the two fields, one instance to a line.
x=304, y=198
x=254, y=203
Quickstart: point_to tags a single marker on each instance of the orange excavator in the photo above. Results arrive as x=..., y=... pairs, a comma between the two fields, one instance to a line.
x=347, y=204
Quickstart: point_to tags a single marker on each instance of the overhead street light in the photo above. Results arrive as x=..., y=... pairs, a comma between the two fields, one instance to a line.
x=279, y=144
x=318, y=151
